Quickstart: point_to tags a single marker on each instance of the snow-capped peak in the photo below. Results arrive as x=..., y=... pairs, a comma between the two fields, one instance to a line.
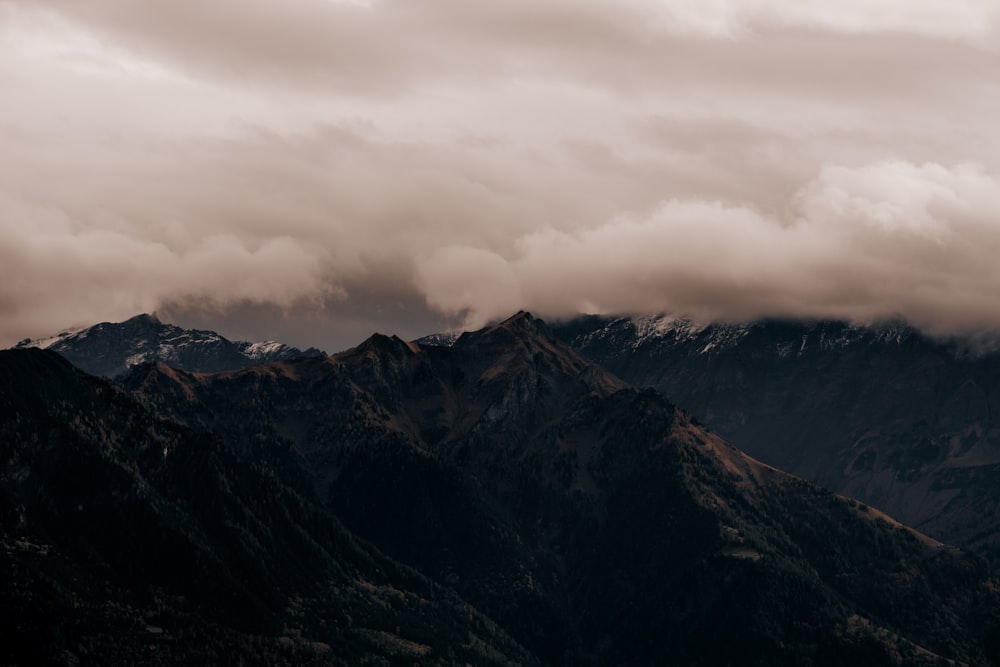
x=110, y=349
x=46, y=343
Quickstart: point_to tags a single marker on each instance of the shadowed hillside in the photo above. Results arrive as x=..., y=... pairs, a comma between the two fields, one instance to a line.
x=127, y=539
x=881, y=413
x=594, y=522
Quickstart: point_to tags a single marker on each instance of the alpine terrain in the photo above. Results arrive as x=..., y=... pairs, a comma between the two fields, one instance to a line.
x=110, y=349
x=884, y=414
x=594, y=523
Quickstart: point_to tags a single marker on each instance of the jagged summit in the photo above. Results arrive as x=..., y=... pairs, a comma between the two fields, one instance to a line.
x=520, y=319
x=521, y=326
x=111, y=348
x=523, y=346
x=386, y=343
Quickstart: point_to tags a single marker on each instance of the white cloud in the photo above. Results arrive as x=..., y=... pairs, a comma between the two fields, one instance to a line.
x=972, y=19
x=898, y=197
x=470, y=281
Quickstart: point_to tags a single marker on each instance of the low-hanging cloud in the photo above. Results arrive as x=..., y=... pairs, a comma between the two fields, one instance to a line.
x=886, y=240
x=347, y=165
x=75, y=272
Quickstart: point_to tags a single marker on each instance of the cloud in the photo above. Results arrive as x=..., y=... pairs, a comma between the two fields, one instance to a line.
x=889, y=239
x=445, y=162
x=972, y=19
x=75, y=272
x=478, y=282
x=391, y=48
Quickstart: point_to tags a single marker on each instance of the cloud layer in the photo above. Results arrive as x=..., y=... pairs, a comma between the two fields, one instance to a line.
x=398, y=165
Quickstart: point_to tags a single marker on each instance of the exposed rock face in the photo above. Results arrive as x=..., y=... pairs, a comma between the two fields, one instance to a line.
x=109, y=349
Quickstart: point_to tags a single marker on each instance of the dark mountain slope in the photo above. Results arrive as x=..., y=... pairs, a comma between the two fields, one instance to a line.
x=594, y=522
x=109, y=349
x=127, y=539
x=883, y=414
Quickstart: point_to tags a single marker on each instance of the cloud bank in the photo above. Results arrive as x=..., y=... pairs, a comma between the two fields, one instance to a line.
x=345, y=166
x=862, y=243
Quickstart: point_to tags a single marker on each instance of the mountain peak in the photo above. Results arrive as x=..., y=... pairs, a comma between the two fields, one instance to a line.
x=521, y=315
x=379, y=343
x=393, y=341
x=522, y=319
x=144, y=318
x=111, y=348
x=521, y=325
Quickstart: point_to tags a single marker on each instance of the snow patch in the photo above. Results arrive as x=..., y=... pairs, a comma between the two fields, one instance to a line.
x=140, y=358
x=46, y=343
x=724, y=336
x=446, y=339
x=264, y=349
x=661, y=326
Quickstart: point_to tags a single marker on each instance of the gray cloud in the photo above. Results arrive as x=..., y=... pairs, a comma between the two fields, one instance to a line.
x=881, y=240
x=325, y=167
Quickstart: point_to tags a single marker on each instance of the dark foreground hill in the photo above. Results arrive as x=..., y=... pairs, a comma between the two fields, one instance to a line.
x=111, y=348
x=126, y=539
x=595, y=523
x=881, y=413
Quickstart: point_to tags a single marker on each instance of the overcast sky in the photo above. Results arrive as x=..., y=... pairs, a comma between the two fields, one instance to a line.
x=315, y=170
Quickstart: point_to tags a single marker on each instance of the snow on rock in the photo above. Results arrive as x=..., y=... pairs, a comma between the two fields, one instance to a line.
x=661, y=326
x=444, y=339
x=46, y=343
x=264, y=350
x=112, y=348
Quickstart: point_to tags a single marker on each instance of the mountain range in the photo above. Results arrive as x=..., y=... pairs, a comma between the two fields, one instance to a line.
x=128, y=539
x=110, y=349
x=884, y=414
x=500, y=500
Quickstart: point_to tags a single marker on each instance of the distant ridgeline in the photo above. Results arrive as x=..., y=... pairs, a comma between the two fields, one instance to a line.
x=110, y=349
x=884, y=414
x=502, y=500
